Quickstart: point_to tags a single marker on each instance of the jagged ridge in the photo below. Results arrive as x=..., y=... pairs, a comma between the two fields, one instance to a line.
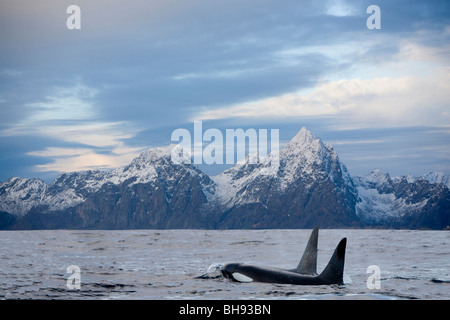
x=309, y=187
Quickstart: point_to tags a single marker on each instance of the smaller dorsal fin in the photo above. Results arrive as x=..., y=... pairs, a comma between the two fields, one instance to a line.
x=334, y=271
x=308, y=262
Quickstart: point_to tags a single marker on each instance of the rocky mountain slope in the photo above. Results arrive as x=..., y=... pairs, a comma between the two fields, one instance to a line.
x=403, y=202
x=301, y=186
x=151, y=192
x=310, y=186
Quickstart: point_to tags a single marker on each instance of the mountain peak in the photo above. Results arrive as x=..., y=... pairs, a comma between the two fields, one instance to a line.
x=163, y=154
x=156, y=153
x=377, y=176
x=438, y=177
x=306, y=150
x=303, y=137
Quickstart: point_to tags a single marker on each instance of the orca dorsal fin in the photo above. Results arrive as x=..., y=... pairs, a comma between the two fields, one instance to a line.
x=334, y=271
x=308, y=262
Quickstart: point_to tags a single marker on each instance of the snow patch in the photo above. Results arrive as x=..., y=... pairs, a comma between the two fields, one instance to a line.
x=438, y=177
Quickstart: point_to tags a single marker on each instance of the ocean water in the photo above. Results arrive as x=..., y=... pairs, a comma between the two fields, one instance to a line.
x=180, y=264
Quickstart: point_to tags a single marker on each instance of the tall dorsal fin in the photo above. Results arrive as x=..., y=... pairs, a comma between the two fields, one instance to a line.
x=308, y=262
x=334, y=271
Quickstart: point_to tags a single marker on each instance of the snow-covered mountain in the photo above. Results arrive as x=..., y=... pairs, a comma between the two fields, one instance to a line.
x=150, y=186
x=304, y=156
x=438, y=177
x=310, y=185
x=302, y=185
x=405, y=201
x=19, y=195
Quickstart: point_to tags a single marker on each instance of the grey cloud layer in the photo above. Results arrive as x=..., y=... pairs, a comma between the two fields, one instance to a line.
x=158, y=64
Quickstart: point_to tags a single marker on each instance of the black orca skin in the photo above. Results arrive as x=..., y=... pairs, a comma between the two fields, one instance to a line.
x=304, y=274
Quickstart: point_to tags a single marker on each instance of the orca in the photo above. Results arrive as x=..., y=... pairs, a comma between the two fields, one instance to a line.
x=304, y=274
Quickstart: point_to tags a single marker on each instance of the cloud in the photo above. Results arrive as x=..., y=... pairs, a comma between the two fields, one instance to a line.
x=404, y=101
x=96, y=134
x=59, y=152
x=79, y=159
x=69, y=116
x=340, y=8
x=413, y=92
x=354, y=142
x=136, y=70
x=66, y=104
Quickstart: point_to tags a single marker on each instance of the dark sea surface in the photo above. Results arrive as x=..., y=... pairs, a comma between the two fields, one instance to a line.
x=181, y=264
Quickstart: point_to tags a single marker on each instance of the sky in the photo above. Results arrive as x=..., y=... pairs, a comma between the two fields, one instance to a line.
x=96, y=97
